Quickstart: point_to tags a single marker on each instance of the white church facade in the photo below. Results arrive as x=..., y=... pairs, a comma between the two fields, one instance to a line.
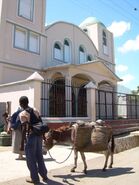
x=67, y=59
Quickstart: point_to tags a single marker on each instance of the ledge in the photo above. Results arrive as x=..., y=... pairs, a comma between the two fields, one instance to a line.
x=5, y=140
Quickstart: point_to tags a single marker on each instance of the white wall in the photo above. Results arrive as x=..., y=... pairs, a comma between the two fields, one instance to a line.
x=13, y=91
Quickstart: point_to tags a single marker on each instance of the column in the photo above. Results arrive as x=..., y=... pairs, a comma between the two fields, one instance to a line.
x=91, y=100
x=34, y=82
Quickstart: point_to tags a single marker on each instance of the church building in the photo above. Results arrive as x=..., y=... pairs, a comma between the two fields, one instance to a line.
x=70, y=62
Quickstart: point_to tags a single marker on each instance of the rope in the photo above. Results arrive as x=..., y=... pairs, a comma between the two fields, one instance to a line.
x=64, y=159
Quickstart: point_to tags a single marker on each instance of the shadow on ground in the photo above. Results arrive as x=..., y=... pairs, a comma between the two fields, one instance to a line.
x=67, y=179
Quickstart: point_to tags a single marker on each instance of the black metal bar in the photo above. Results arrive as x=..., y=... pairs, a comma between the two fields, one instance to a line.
x=58, y=101
x=120, y=105
x=109, y=104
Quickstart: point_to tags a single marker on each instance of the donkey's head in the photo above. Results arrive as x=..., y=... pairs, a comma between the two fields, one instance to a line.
x=60, y=135
x=48, y=140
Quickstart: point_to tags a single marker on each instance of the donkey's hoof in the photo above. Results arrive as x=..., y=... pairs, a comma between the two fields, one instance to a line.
x=72, y=170
x=110, y=166
x=104, y=169
x=85, y=171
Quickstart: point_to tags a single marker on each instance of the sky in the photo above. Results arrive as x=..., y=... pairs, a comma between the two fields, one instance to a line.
x=120, y=17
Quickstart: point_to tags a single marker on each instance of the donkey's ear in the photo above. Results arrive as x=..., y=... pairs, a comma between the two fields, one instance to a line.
x=50, y=132
x=71, y=124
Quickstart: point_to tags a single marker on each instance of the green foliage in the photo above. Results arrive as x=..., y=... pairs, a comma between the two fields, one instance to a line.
x=1, y=127
x=136, y=92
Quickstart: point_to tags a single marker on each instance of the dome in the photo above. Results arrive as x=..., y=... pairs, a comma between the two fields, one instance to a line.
x=89, y=21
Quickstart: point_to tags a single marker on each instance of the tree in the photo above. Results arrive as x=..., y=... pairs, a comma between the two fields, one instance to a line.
x=136, y=92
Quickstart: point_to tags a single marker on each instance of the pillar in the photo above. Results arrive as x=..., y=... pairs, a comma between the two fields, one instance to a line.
x=91, y=100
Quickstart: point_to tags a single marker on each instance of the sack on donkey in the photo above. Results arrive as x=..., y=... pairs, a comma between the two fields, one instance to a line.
x=36, y=123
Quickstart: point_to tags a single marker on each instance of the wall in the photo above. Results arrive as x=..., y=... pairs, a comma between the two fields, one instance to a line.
x=123, y=125
x=31, y=87
x=76, y=36
x=8, y=19
x=126, y=142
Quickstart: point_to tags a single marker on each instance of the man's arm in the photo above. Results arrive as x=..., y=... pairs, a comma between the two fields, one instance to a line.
x=23, y=136
x=24, y=123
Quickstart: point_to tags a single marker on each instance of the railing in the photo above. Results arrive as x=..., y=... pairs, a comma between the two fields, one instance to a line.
x=113, y=105
x=60, y=99
x=63, y=100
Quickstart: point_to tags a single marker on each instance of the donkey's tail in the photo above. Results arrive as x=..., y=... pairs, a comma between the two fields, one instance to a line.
x=112, y=144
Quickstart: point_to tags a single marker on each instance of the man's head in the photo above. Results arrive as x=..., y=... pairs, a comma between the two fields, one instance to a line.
x=23, y=101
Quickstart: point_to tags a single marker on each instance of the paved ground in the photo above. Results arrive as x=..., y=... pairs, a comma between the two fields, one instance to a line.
x=125, y=170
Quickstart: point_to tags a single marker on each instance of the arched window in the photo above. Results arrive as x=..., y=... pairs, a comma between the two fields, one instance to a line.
x=67, y=51
x=105, y=47
x=89, y=58
x=81, y=55
x=57, y=51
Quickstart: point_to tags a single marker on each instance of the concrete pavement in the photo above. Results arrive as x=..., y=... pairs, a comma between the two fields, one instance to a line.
x=125, y=169
x=11, y=169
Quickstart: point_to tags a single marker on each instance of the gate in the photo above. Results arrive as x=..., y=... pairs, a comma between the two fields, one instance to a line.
x=61, y=100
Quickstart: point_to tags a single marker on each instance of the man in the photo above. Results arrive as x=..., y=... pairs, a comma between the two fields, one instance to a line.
x=6, y=122
x=33, y=145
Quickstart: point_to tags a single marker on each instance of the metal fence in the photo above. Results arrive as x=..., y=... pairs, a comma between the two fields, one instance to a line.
x=113, y=105
x=60, y=99
x=63, y=100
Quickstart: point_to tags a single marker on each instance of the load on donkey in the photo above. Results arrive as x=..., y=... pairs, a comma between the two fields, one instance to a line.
x=85, y=137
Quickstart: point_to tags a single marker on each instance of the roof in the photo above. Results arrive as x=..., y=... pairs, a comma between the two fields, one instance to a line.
x=89, y=21
x=100, y=64
x=97, y=63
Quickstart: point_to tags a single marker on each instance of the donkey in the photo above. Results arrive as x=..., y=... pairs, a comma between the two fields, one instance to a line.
x=96, y=141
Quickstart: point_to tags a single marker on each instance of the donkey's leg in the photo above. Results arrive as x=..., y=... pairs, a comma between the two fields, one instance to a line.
x=84, y=161
x=75, y=160
x=111, y=163
x=112, y=151
x=107, y=153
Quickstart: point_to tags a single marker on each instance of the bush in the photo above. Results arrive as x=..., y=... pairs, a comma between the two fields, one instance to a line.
x=1, y=127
